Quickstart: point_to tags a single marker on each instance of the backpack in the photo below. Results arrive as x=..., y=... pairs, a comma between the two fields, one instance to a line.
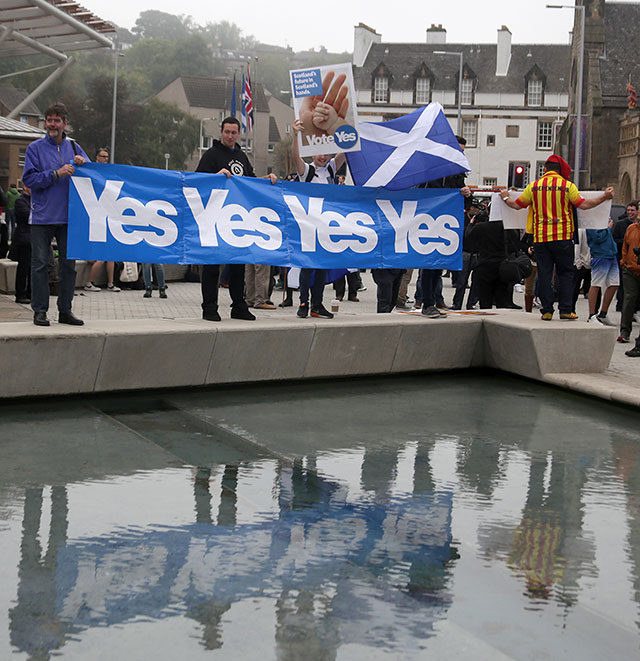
x=312, y=173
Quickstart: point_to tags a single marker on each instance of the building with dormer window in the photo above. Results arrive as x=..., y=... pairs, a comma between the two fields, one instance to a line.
x=513, y=97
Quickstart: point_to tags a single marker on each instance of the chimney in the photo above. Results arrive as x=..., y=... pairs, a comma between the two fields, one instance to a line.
x=363, y=37
x=436, y=34
x=503, y=52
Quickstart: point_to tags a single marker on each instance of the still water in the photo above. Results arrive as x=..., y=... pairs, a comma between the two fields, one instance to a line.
x=432, y=517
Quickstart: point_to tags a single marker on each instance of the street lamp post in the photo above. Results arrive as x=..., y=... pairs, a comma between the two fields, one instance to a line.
x=578, y=145
x=166, y=161
x=460, y=55
x=115, y=99
x=204, y=119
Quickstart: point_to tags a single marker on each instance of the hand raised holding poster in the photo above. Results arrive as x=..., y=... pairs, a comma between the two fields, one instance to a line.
x=326, y=109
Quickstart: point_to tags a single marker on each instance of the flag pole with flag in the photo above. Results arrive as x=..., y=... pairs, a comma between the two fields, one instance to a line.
x=407, y=151
x=247, y=102
x=243, y=109
x=233, y=96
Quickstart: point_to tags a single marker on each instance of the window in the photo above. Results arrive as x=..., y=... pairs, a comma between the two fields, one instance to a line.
x=270, y=147
x=423, y=90
x=512, y=131
x=246, y=144
x=534, y=93
x=467, y=92
x=24, y=119
x=21, y=156
x=491, y=141
x=539, y=169
x=489, y=181
x=381, y=89
x=470, y=132
x=545, y=135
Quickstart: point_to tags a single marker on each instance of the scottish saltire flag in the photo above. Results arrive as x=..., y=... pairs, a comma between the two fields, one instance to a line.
x=233, y=97
x=247, y=102
x=407, y=151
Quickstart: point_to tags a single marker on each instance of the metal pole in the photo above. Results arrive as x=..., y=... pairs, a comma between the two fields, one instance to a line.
x=578, y=149
x=254, y=92
x=115, y=100
x=460, y=97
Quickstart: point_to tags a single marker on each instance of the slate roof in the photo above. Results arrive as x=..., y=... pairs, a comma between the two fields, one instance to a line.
x=12, y=128
x=274, y=134
x=11, y=96
x=620, y=59
x=207, y=92
x=403, y=60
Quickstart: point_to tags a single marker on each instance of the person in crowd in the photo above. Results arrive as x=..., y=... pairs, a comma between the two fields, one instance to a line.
x=321, y=171
x=21, y=246
x=12, y=195
x=49, y=162
x=629, y=217
x=604, y=273
x=226, y=157
x=552, y=198
x=582, y=266
x=158, y=277
x=102, y=156
x=630, y=264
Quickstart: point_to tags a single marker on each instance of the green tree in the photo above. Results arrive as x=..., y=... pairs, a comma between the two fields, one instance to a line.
x=154, y=24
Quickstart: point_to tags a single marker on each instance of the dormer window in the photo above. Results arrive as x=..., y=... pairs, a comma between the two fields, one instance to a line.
x=534, y=93
x=466, y=97
x=423, y=91
x=381, y=89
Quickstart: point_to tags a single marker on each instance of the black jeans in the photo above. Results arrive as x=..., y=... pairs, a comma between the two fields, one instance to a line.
x=209, y=284
x=388, y=285
x=317, y=289
x=558, y=254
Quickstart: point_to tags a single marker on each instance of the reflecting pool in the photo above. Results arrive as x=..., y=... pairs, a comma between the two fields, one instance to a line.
x=443, y=516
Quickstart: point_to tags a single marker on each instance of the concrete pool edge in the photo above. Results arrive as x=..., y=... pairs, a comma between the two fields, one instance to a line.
x=111, y=356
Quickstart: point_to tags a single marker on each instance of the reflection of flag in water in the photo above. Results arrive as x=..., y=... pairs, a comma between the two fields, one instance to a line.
x=247, y=103
x=407, y=151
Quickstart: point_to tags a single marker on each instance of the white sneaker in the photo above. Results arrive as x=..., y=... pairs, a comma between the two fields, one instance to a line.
x=605, y=321
x=91, y=287
x=518, y=288
x=636, y=317
x=112, y=287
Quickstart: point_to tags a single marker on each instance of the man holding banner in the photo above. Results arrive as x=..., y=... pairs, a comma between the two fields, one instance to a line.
x=551, y=198
x=226, y=157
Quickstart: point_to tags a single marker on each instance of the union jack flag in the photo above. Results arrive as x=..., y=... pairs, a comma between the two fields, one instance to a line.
x=247, y=103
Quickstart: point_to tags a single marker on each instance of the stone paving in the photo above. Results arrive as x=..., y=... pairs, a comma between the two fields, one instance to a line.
x=184, y=300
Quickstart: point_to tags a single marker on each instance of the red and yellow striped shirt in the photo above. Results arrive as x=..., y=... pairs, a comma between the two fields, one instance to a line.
x=552, y=198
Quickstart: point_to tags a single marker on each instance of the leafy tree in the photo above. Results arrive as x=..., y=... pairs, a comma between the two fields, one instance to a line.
x=154, y=24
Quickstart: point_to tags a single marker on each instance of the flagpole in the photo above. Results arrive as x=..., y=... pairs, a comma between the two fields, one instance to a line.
x=255, y=114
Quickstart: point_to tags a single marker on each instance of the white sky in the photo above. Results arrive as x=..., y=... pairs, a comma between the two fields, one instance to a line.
x=331, y=23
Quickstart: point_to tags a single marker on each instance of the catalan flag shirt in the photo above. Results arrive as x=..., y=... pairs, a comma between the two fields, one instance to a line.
x=552, y=199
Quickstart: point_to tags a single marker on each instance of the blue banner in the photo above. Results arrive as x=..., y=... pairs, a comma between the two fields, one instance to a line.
x=132, y=214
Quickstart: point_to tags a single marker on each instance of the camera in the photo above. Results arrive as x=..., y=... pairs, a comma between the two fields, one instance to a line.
x=637, y=254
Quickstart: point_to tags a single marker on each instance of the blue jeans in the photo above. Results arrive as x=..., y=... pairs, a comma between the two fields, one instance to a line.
x=558, y=254
x=158, y=274
x=41, y=237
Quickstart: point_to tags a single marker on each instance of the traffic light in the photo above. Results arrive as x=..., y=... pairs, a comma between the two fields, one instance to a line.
x=517, y=175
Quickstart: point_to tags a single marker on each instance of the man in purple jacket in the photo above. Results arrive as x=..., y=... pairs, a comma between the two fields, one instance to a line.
x=49, y=162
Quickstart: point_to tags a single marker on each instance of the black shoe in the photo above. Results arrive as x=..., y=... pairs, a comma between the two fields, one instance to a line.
x=40, y=318
x=513, y=306
x=303, y=310
x=321, y=311
x=633, y=353
x=242, y=313
x=287, y=303
x=163, y=292
x=147, y=292
x=69, y=318
x=211, y=316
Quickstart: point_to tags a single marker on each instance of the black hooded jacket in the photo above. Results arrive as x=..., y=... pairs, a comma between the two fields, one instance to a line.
x=219, y=156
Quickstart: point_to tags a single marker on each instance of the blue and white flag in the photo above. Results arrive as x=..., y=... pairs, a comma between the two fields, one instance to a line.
x=133, y=214
x=407, y=151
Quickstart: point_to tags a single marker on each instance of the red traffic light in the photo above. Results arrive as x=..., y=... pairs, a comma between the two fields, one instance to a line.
x=519, y=169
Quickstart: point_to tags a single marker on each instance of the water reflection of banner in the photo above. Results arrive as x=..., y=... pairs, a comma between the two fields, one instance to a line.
x=401, y=549
x=119, y=212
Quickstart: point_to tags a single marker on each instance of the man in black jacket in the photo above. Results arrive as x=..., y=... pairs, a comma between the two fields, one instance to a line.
x=226, y=157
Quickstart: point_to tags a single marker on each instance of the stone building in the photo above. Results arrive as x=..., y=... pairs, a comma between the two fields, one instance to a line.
x=513, y=97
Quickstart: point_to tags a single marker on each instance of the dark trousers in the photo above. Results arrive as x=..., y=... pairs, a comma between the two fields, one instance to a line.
x=23, y=270
x=210, y=274
x=388, y=285
x=352, y=280
x=491, y=289
x=317, y=289
x=558, y=254
x=580, y=276
x=630, y=301
x=41, y=238
x=430, y=283
x=460, y=280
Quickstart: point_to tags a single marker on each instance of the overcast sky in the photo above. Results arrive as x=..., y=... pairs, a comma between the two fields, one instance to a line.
x=330, y=24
